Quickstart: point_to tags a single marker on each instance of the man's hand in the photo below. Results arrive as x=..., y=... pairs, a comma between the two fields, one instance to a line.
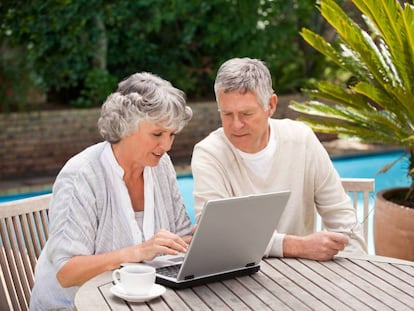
x=316, y=246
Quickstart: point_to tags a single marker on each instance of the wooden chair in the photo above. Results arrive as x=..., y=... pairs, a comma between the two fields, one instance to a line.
x=355, y=188
x=366, y=186
x=23, y=231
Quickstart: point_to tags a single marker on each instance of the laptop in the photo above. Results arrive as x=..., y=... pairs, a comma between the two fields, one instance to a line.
x=230, y=241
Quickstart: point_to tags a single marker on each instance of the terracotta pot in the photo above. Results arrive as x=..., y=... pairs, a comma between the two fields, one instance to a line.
x=393, y=227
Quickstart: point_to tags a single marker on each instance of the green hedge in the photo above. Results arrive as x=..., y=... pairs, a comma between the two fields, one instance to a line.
x=77, y=49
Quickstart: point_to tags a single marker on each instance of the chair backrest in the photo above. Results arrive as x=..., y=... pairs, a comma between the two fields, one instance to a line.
x=357, y=187
x=23, y=232
x=365, y=186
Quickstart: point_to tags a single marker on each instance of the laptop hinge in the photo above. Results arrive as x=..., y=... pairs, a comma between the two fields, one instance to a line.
x=251, y=264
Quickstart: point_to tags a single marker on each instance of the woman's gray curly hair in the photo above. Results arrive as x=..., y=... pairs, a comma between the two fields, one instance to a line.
x=142, y=96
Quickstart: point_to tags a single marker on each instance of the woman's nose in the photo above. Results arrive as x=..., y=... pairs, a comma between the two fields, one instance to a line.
x=167, y=142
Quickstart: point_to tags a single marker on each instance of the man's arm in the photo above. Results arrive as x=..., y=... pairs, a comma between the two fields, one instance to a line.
x=316, y=246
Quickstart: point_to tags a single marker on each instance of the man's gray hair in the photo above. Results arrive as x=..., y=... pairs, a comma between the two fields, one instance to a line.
x=245, y=75
x=142, y=97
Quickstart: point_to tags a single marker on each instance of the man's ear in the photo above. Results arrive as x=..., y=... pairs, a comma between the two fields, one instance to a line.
x=272, y=104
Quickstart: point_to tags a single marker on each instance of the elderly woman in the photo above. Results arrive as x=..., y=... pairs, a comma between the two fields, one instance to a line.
x=117, y=201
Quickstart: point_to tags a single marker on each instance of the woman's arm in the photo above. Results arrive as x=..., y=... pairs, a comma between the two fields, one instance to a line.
x=80, y=269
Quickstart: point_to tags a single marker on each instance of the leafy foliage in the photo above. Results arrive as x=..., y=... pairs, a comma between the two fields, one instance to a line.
x=14, y=82
x=378, y=105
x=182, y=41
x=98, y=84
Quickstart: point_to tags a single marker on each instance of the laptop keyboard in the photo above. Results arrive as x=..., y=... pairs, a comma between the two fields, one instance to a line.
x=170, y=271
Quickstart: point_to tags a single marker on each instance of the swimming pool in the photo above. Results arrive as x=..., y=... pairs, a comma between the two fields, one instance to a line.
x=362, y=166
x=367, y=166
x=18, y=196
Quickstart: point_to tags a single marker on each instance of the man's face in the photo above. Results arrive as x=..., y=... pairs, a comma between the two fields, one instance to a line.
x=244, y=120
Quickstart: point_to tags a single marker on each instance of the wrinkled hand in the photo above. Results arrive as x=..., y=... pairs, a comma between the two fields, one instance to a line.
x=316, y=246
x=163, y=242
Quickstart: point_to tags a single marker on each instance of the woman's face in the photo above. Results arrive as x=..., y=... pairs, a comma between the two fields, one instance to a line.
x=145, y=146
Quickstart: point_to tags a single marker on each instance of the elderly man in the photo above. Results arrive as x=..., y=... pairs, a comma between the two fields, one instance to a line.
x=253, y=153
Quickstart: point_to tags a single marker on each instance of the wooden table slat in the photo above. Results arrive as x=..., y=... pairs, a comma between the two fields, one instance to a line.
x=114, y=301
x=382, y=299
x=357, y=293
x=210, y=298
x=92, y=295
x=408, y=270
x=399, y=300
x=393, y=275
x=328, y=283
x=174, y=301
x=225, y=294
x=294, y=288
x=279, y=292
x=156, y=303
x=191, y=299
x=376, y=286
x=404, y=273
x=273, y=302
x=313, y=289
x=365, y=283
x=251, y=301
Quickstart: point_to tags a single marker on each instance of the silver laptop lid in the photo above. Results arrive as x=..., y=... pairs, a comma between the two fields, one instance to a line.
x=233, y=233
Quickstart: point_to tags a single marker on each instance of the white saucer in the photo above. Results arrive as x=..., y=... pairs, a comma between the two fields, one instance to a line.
x=157, y=290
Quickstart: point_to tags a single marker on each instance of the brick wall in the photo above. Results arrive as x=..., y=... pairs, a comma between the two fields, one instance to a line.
x=39, y=143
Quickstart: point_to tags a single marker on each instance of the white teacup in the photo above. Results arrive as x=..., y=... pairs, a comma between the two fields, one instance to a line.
x=136, y=280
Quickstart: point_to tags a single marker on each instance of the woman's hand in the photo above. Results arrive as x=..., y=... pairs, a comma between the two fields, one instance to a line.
x=163, y=242
x=80, y=269
x=187, y=238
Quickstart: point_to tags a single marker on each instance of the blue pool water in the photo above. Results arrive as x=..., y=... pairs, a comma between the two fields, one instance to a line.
x=365, y=166
x=13, y=197
x=368, y=166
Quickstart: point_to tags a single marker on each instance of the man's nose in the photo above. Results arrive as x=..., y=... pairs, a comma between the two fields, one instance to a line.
x=237, y=122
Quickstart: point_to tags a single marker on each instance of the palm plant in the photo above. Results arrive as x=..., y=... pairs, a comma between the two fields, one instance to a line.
x=378, y=106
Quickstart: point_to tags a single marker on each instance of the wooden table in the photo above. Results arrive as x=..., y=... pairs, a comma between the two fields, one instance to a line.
x=369, y=283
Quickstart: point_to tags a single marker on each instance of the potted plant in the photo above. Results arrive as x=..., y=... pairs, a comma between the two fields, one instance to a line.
x=375, y=104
